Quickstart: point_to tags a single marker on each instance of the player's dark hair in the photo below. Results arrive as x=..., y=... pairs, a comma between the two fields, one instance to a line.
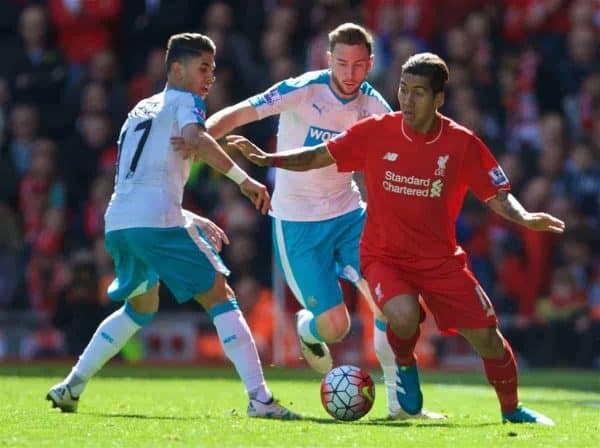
x=351, y=34
x=431, y=66
x=187, y=45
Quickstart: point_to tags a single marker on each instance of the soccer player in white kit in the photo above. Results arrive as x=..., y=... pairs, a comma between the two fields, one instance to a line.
x=318, y=216
x=151, y=237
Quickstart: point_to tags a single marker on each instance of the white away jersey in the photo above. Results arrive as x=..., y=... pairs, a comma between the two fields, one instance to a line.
x=150, y=174
x=311, y=113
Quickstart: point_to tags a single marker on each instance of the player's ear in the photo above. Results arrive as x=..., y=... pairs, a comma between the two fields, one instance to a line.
x=329, y=59
x=439, y=99
x=177, y=70
x=370, y=63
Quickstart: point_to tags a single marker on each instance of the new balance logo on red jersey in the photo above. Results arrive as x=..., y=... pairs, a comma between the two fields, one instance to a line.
x=391, y=156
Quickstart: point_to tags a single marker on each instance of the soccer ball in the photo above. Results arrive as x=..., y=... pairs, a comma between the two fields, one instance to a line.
x=347, y=393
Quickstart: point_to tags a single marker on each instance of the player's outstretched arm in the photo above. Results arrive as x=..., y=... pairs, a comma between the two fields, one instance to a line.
x=232, y=117
x=197, y=143
x=300, y=159
x=506, y=205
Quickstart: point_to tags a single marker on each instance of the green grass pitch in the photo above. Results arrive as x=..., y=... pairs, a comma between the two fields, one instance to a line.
x=200, y=407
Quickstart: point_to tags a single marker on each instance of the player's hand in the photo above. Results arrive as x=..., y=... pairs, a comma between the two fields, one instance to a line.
x=184, y=148
x=216, y=236
x=249, y=150
x=543, y=222
x=257, y=193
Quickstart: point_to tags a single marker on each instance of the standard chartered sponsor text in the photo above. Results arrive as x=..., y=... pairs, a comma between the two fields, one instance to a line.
x=391, y=181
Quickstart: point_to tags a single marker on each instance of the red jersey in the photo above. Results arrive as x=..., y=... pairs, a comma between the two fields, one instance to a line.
x=415, y=185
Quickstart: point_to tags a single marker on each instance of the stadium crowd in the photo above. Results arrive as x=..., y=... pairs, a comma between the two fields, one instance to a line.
x=525, y=77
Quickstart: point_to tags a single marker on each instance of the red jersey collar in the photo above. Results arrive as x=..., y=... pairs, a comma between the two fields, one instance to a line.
x=428, y=138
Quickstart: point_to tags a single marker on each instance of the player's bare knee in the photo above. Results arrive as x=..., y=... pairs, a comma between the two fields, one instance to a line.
x=336, y=333
x=146, y=302
x=403, y=315
x=219, y=293
x=494, y=344
x=334, y=325
x=486, y=341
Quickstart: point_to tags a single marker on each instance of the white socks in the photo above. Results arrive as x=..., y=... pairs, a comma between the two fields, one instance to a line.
x=306, y=325
x=119, y=327
x=107, y=341
x=387, y=359
x=240, y=348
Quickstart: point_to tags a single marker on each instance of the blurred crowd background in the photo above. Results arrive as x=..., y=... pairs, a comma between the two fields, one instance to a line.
x=524, y=74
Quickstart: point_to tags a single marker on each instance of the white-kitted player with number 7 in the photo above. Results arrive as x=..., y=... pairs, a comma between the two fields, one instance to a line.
x=151, y=237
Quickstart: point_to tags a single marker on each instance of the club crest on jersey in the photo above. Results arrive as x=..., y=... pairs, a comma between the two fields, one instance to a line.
x=363, y=113
x=272, y=96
x=441, y=165
x=498, y=177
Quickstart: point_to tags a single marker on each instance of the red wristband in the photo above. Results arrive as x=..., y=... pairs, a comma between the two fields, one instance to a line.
x=277, y=162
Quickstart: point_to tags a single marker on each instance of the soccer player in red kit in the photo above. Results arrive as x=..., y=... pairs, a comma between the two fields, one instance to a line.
x=418, y=165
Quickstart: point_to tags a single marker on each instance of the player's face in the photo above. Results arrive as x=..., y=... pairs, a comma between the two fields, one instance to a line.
x=417, y=101
x=197, y=74
x=350, y=66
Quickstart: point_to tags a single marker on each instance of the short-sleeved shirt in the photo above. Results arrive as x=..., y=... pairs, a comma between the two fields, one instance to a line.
x=150, y=175
x=415, y=184
x=310, y=112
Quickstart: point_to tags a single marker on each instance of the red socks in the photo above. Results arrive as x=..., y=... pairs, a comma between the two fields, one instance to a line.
x=404, y=349
x=501, y=373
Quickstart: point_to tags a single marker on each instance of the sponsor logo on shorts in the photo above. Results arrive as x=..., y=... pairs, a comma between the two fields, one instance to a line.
x=378, y=292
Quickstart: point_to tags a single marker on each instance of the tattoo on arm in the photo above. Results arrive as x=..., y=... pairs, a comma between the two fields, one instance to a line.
x=306, y=158
x=508, y=206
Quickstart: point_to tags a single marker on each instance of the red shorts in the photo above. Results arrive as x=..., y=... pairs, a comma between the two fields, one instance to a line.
x=451, y=291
